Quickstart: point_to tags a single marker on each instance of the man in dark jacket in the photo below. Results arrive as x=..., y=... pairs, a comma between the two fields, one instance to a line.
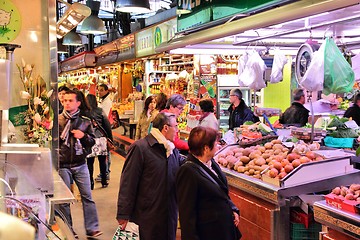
x=354, y=111
x=147, y=185
x=76, y=140
x=239, y=112
x=296, y=114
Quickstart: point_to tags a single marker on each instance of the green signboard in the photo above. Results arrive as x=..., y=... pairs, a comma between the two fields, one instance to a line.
x=205, y=11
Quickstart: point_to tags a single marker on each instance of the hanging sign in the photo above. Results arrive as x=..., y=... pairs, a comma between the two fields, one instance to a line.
x=205, y=11
x=148, y=39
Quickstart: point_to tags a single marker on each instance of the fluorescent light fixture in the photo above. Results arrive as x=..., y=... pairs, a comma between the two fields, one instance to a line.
x=133, y=6
x=219, y=51
x=75, y=13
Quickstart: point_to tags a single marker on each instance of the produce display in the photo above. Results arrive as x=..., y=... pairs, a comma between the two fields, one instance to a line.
x=252, y=133
x=345, y=198
x=272, y=158
x=349, y=193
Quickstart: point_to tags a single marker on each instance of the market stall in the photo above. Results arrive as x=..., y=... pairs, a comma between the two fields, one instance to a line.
x=265, y=201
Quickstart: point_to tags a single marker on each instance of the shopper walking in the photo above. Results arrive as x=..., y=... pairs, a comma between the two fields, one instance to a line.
x=205, y=208
x=76, y=140
x=102, y=130
x=147, y=185
x=105, y=102
x=146, y=117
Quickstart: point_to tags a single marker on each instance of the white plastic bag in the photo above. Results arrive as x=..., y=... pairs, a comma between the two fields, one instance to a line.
x=253, y=74
x=278, y=65
x=242, y=62
x=313, y=79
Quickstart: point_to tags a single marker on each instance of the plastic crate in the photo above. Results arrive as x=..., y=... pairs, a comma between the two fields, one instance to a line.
x=299, y=232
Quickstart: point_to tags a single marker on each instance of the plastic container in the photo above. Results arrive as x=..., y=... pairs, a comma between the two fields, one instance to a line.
x=299, y=232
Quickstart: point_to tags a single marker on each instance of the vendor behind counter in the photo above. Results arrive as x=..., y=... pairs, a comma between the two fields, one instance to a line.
x=354, y=111
x=296, y=114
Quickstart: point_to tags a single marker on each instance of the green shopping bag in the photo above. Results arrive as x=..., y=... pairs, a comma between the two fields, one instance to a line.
x=338, y=74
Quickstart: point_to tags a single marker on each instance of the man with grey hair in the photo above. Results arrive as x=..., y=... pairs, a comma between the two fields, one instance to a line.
x=147, y=186
x=296, y=114
x=175, y=105
x=239, y=111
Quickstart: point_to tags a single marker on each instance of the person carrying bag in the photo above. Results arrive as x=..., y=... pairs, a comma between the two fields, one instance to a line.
x=103, y=135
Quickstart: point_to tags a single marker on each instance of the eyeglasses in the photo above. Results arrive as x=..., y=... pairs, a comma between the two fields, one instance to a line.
x=175, y=126
x=232, y=95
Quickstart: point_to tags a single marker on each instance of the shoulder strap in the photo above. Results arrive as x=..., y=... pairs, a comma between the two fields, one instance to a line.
x=98, y=126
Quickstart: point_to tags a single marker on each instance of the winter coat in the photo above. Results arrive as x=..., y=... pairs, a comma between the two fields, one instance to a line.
x=147, y=189
x=205, y=208
x=240, y=114
x=296, y=114
x=142, y=127
x=67, y=156
x=210, y=121
x=99, y=115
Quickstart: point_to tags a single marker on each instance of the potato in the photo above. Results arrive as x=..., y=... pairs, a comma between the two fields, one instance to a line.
x=268, y=145
x=349, y=196
x=277, y=151
x=241, y=169
x=296, y=163
x=265, y=155
x=288, y=168
x=260, y=161
x=276, y=141
x=277, y=165
x=278, y=146
x=273, y=172
x=247, y=173
x=246, y=152
x=238, y=154
x=261, y=149
x=258, y=176
x=251, y=171
x=355, y=187
x=282, y=175
x=244, y=159
x=336, y=191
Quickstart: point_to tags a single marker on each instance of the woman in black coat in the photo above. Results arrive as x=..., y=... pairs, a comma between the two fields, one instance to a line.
x=99, y=117
x=205, y=208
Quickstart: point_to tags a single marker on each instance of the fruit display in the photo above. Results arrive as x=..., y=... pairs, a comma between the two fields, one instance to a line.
x=349, y=193
x=272, y=158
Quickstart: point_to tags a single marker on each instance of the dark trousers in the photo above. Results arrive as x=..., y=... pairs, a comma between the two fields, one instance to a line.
x=102, y=166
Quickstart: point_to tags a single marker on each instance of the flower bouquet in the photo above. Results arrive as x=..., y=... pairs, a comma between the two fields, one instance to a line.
x=39, y=115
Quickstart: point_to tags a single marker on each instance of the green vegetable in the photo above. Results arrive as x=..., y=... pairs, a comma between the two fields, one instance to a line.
x=264, y=128
x=248, y=123
x=344, y=133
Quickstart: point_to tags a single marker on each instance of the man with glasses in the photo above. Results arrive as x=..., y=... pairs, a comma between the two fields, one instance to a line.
x=175, y=105
x=239, y=111
x=147, y=186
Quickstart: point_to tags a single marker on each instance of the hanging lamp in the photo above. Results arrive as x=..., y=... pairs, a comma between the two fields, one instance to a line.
x=61, y=48
x=133, y=6
x=93, y=24
x=72, y=39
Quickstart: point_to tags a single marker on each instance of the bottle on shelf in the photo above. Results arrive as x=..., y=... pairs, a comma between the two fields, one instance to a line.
x=209, y=88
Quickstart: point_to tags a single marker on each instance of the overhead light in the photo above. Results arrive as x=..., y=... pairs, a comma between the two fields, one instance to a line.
x=93, y=24
x=72, y=39
x=133, y=6
x=74, y=14
x=61, y=48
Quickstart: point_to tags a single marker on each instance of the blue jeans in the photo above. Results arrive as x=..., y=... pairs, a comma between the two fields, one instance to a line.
x=81, y=177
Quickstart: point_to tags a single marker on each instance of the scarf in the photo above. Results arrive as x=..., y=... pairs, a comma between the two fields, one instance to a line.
x=65, y=133
x=169, y=146
x=204, y=116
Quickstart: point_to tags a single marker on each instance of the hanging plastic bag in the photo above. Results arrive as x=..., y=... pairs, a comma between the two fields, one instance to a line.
x=278, y=65
x=253, y=74
x=338, y=74
x=242, y=62
x=313, y=79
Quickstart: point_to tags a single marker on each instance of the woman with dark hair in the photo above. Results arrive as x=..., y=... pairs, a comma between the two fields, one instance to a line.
x=161, y=100
x=205, y=208
x=146, y=117
x=354, y=110
x=208, y=118
x=101, y=125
